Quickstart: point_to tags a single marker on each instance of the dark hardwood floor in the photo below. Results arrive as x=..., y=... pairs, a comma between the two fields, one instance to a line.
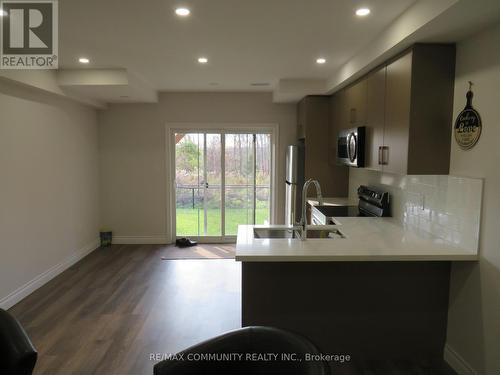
x=109, y=312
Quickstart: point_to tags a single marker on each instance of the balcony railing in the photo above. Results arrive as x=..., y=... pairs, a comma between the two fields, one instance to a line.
x=193, y=188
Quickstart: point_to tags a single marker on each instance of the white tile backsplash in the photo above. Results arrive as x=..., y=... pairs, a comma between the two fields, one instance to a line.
x=447, y=207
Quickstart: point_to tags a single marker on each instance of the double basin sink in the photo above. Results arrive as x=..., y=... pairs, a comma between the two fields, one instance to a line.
x=296, y=232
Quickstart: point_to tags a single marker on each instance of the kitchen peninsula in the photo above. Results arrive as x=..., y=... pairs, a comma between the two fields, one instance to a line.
x=377, y=291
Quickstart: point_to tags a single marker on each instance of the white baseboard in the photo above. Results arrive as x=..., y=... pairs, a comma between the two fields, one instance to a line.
x=163, y=240
x=140, y=240
x=457, y=362
x=28, y=288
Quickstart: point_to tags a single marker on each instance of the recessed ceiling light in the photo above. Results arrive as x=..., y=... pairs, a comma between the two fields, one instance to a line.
x=83, y=60
x=202, y=60
x=321, y=60
x=362, y=12
x=183, y=12
x=214, y=83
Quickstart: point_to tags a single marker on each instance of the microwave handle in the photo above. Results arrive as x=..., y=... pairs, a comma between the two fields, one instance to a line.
x=348, y=148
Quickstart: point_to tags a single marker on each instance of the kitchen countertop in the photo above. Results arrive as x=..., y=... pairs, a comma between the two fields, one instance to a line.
x=338, y=201
x=367, y=239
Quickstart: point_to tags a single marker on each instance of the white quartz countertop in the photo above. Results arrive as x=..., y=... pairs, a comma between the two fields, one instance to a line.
x=366, y=239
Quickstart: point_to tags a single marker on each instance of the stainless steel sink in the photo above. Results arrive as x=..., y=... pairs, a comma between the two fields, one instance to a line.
x=274, y=233
x=325, y=232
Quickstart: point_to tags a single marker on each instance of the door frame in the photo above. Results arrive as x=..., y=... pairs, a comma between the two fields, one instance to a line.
x=234, y=128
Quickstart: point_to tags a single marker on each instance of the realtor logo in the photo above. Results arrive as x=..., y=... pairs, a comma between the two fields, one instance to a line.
x=29, y=34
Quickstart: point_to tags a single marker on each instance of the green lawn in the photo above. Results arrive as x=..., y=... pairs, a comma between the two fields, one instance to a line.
x=187, y=220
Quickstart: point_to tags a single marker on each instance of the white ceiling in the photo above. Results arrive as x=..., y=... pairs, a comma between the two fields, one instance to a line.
x=139, y=48
x=246, y=41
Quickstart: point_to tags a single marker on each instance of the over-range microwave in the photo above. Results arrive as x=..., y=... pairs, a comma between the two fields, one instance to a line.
x=351, y=147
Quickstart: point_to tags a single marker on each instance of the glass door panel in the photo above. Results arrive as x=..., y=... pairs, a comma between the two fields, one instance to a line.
x=239, y=176
x=188, y=174
x=213, y=188
x=263, y=178
x=198, y=190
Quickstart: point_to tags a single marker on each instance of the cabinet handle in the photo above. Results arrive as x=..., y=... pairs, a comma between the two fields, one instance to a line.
x=380, y=155
x=385, y=155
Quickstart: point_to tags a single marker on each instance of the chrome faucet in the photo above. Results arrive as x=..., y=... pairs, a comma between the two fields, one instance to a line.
x=303, y=220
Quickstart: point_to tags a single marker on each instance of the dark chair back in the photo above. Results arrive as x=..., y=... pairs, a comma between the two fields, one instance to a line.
x=288, y=355
x=17, y=353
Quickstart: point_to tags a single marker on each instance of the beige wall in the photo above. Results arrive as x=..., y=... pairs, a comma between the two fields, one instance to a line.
x=49, y=192
x=474, y=316
x=133, y=152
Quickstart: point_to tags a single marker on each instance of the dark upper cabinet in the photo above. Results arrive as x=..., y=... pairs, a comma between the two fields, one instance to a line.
x=406, y=106
x=375, y=117
x=419, y=110
x=393, y=150
x=313, y=125
x=354, y=107
x=336, y=123
x=431, y=109
x=301, y=119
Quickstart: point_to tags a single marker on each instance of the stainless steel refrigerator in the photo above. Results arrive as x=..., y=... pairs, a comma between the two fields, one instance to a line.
x=294, y=182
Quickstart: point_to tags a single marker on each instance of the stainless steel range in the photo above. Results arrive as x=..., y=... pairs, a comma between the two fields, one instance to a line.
x=372, y=203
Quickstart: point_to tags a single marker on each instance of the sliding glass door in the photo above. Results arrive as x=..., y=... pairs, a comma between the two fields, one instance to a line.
x=222, y=180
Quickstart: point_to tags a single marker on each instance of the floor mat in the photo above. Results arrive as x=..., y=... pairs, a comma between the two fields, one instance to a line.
x=201, y=251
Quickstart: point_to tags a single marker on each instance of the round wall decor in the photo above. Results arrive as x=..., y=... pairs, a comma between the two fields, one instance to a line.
x=468, y=124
